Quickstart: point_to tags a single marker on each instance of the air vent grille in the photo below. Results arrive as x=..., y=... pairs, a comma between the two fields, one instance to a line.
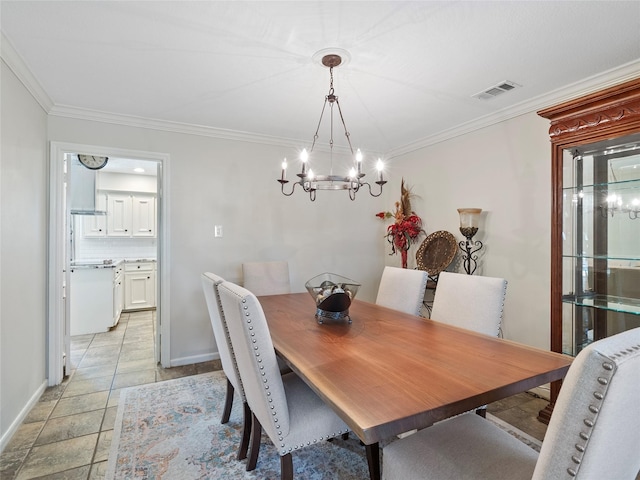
x=496, y=90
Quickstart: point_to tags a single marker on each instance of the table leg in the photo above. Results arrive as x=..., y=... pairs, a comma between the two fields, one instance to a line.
x=373, y=459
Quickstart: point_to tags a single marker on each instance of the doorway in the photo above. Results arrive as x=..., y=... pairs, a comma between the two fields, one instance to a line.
x=61, y=253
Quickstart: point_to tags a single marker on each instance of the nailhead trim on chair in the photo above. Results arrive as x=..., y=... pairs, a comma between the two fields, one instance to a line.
x=283, y=448
x=609, y=370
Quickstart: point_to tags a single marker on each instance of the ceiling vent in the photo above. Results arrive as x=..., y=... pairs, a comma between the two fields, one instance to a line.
x=496, y=90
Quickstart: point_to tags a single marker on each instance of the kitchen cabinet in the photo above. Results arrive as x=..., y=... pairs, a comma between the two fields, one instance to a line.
x=94, y=299
x=595, y=255
x=131, y=215
x=143, y=213
x=140, y=285
x=96, y=225
x=118, y=215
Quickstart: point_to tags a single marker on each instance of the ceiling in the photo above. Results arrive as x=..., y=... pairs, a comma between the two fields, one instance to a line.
x=246, y=70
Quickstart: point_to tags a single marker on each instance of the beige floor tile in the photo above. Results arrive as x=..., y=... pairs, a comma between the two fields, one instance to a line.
x=58, y=457
x=90, y=385
x=97, y=361
x=104, y=445
x=211, y=366
x=139, y=354
x=81, y=403
x=71, y=426
x=79, y=473
x=135, y=365
x=10, y=462
x=25, y=436
x=98, y=471
x=103, y=351
x=123, y=380
x=114, y=397
x=109, y=418
x=93, y=372
x=40, y=411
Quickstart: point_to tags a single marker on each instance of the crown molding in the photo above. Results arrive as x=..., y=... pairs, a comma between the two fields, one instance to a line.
x=609, y=78
x=15, y=63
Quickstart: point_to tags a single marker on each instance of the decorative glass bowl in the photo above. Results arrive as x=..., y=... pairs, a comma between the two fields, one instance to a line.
x=333, y=295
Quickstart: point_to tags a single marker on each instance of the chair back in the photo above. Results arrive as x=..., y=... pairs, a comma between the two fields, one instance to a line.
x=594, y=431
x=256, y=358
x=402, y=289
x=470, y=301
x=266, y=278
x=210, y=283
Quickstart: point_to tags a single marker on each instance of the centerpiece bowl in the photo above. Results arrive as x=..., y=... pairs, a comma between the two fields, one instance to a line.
x=333, y=295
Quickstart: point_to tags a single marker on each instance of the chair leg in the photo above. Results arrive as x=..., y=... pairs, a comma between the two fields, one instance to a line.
x=286, y=467
x=373, y=459
x=482, y=412
x=254, y=448
x=246, y=432
x=228, y=403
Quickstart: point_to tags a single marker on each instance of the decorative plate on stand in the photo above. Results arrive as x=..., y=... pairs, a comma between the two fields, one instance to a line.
x=436, y=252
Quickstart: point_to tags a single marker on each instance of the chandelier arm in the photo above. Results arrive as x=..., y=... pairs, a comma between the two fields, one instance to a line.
x=346, y=132
x=352, y=194
x=379, y=183
x=293, y=187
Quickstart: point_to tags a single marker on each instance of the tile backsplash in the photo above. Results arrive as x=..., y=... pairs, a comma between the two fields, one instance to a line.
x=114, y=248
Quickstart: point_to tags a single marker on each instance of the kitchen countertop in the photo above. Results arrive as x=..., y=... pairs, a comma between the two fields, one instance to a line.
x=109, y=263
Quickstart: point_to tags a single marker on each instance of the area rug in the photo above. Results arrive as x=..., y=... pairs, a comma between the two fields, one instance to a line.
x=171, y=430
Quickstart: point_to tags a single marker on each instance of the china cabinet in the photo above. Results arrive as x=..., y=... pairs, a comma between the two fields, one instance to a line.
x=595, y=229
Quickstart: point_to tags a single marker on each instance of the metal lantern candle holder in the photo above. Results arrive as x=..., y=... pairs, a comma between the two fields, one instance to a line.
x=469, y=227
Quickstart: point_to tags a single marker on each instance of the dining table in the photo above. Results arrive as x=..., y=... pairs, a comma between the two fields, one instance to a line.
x=387, y=372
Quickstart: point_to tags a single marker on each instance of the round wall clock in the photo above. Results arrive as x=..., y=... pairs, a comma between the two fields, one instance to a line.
x=93, y=162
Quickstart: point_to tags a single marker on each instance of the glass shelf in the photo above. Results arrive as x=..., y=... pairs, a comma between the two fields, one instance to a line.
x=605, y=302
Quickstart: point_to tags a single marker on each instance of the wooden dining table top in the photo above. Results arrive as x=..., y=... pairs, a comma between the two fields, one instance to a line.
x=389, y=372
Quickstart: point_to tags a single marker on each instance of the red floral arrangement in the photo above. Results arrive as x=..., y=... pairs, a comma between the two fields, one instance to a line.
x=407, y=226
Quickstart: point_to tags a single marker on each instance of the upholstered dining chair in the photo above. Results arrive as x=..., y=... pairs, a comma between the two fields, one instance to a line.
x=594, y=432
x=210, y=282
x=402, y=289
x=473, y=302
x=291, y=414
x=266, y=278
x=470, y=301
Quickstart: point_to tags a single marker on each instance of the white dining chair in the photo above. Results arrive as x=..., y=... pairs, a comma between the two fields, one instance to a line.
x=402, y=289
x=473, y=302
x=470, y=301
x=290, y=413
x=210, y=283
x=266, y=278
x=594, y=432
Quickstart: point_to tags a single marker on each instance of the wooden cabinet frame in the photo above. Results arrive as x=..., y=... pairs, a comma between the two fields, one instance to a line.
x=604, y=115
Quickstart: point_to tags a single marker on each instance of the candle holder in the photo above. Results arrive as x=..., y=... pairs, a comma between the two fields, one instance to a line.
x=469, y=227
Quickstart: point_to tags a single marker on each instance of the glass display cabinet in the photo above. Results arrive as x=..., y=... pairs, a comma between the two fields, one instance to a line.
x=595, y=229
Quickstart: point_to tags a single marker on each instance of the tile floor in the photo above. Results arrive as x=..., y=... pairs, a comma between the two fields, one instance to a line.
x=67, y=435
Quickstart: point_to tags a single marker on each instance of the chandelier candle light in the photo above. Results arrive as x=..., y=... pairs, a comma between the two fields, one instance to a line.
x=469, y=227
x=311, y=182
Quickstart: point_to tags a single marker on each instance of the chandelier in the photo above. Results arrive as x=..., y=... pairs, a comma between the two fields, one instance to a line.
x=311, y=182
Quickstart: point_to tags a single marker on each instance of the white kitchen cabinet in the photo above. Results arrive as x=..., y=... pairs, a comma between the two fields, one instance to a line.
x=118, y=215
x=140, y=285
x=92, y=299
x=96, y=225
x=143, y=213
x=130, y=215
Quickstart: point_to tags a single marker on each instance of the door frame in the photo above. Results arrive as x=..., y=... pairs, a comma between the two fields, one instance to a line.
x=58, y=321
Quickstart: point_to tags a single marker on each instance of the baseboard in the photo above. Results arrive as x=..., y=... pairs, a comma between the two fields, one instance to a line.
x=207, y=357
x=6, y=437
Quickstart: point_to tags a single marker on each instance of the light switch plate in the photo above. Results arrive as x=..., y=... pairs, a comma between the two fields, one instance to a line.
x=217, y=231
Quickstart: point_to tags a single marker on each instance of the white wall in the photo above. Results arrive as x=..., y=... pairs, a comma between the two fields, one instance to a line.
x=233, y=184
x=504, y=169
x=23, y=253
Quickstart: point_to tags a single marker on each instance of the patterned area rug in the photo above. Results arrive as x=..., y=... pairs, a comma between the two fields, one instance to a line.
x=172, y=430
